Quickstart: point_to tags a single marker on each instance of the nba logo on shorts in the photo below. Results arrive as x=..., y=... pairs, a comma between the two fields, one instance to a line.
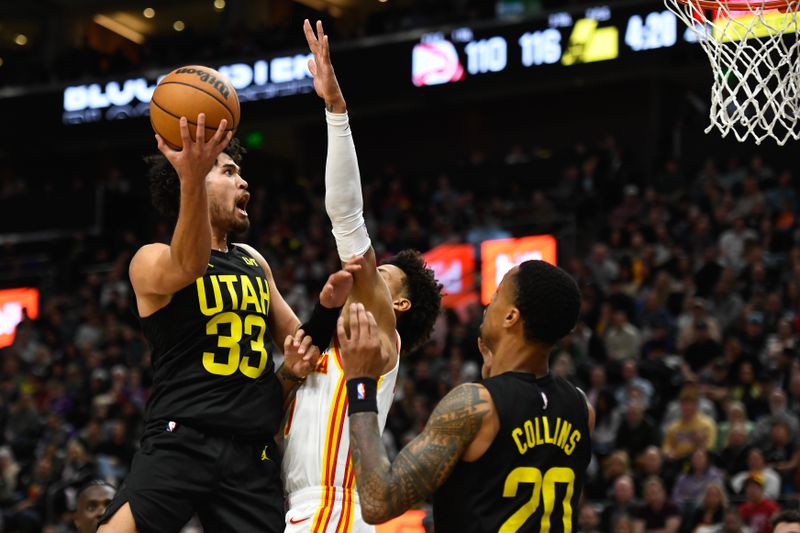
x=361, y=392
x=171, y=426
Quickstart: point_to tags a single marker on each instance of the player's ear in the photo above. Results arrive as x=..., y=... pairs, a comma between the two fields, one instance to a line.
x=512, y=317
x=401, y=305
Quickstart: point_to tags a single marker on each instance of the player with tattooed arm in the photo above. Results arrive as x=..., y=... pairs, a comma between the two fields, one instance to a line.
x=509, y=454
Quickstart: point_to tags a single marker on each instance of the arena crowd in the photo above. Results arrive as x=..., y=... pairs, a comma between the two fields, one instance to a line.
x=687, y=345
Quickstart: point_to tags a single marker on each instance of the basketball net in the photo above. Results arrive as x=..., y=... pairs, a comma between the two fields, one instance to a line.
x=754, y=52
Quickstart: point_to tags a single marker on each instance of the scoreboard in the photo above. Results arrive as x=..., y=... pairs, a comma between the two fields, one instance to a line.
x=502, y=51
x=563, y=39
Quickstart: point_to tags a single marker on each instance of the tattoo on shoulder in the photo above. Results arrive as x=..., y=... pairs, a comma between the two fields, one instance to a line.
x=422, y=466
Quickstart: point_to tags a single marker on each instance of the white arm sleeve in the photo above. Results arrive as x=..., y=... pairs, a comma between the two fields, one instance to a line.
x=343, y=199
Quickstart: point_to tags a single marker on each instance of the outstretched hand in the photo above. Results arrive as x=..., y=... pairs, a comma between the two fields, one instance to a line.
x=197, y=157
x=321, y=68
x=299, y=355
x=339, y=284
x=361, y=350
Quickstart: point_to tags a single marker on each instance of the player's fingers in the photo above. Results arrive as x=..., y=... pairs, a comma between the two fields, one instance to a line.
x=351, y=268
x=313, y=44
x=163, y=147
x=341, y=333
x=363, y=322
x=186, y=139
x=326, y=48
x=200, y=133
x=355, y=327
x=298, y=337
x=320, y=31
x=341, y=276
x=219, y=136
x=305, y=345
x=287, y=343
x=225, y=142
x=312, y=68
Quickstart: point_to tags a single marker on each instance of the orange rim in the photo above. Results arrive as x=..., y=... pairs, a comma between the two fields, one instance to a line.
x=743, y=5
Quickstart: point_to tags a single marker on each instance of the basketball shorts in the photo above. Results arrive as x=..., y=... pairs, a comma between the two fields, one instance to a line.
x=233, y=485
x=326, y=511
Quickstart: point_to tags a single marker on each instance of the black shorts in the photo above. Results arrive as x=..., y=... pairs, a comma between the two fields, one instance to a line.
x=233, y=485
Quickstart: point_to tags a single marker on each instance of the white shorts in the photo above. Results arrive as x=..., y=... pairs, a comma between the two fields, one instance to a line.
x=325, y=511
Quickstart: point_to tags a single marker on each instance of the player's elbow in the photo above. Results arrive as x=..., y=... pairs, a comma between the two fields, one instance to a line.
x=375, y=512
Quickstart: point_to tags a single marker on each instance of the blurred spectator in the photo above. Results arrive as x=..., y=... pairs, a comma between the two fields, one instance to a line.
x=690, y=486
x=656, y=513
x=588, y=520
x=637, y=431
x=621, y=503
x=757, y=469
x=692, y=430
x=757, y=510
x=623, y=340
x=709, y=510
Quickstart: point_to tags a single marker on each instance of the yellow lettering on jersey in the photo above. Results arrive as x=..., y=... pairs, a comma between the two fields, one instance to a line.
x=229, y=280
x=573, y=441
x=529, y=436
x=516, y=433
x=249, y=295
x=536, y=432
x=263, y=291
x=201, y=296
x=566, y=427
x=546, y=428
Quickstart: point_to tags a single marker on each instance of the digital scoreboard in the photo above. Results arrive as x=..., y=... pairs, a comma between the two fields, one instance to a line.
x=496, y=50
x=562, y=39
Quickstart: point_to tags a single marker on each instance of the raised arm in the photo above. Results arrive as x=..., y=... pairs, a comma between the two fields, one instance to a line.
x=387, y=489
x=158, y=271
x=344, y=201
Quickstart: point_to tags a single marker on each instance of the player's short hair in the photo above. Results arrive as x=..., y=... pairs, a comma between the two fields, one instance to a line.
x=789, y=516
x=548, y=300
x=165, y=190
x=94, y=483
x=416, y=325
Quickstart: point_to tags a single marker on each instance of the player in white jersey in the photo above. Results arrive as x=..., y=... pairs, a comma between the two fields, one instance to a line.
x=401, y=293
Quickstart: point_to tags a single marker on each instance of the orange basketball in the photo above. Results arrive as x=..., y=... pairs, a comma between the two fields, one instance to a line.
x=187, y=92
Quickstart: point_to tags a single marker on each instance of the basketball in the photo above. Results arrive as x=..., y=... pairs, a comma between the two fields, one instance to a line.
x=187, y=92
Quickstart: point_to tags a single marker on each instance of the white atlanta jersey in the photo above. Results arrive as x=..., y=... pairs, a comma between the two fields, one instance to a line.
x=317, y=472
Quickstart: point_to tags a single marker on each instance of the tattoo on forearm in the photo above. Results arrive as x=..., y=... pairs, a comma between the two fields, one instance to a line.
x=387, y=490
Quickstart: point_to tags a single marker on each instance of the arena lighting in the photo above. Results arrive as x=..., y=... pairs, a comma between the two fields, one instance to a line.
x=12, y=304
x=118, y=28
x=219, y=5
x=454, y=266
x=178, y=25
x=149, y=12
x=21, y=39
x=501, y=255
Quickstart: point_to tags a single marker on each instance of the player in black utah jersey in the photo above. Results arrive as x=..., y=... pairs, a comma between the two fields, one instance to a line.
x=209, y=309
x=509, y=454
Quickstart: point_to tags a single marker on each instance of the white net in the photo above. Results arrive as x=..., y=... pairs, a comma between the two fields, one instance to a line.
x=755, y=56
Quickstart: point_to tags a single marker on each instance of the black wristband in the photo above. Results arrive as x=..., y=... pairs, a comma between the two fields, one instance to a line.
x=322, y=325
x=362, y=395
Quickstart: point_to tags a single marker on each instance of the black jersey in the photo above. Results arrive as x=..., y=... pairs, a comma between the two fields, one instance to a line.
x=211, y=365
x=531, y=477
